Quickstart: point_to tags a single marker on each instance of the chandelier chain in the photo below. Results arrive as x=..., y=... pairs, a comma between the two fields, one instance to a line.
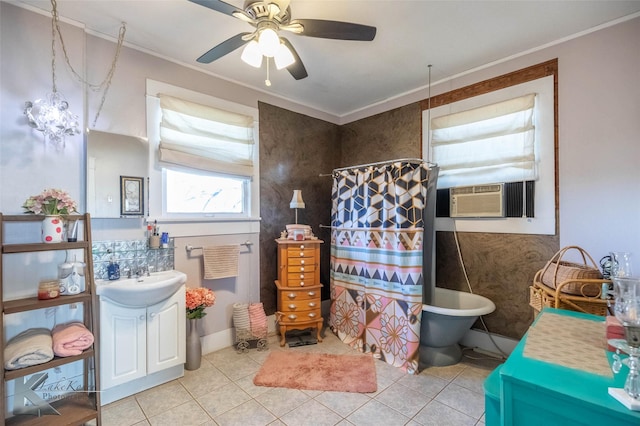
x=106, y=83
x=53, y=56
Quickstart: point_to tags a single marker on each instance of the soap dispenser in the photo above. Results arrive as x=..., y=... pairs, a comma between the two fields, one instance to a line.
x=113, y=270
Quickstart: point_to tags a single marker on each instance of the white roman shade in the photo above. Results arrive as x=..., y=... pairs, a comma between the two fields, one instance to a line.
x=205, y=138
x=489, y=144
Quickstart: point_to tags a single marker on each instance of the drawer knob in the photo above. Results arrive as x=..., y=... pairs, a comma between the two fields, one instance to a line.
x=312, y=305
x=292, y=317
x=312, y=293
x=292, y=306
x=301, y=254
x=292, y=295
x=312, y=315
x=302, y=276
x=302, y=262
x=301, y=283
x=302, y=268
x=301, y=246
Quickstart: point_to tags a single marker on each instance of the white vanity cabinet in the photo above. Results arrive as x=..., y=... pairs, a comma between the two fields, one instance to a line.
x=137, y=342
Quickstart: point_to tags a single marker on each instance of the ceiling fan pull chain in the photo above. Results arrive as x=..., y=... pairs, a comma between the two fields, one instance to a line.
x=267, y=82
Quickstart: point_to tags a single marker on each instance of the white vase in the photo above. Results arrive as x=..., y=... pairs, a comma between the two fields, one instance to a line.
x=52, y=229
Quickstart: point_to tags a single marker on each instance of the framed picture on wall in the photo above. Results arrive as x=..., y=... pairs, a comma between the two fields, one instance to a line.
x=131, y=196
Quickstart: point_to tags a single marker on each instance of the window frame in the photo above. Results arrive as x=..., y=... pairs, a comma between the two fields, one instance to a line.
x=546, y=220
x=157, y=204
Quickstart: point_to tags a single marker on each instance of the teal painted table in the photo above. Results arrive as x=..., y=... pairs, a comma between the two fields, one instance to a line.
x=525, y=391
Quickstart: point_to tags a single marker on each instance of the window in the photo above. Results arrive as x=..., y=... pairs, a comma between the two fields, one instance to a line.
x=205, y=138
x=204, y=194
x=489, y=144
x=473, y=143
x=205, y=152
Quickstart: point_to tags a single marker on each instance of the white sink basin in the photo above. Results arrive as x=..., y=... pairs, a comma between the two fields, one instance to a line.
x=141, y=291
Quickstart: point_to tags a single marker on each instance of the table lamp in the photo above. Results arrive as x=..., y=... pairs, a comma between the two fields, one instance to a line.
x=297, y=202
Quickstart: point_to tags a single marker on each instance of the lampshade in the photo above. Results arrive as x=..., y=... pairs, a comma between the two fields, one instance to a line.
x=269, y=42
x=252, y=55
x=283, y=57
x=296, y=200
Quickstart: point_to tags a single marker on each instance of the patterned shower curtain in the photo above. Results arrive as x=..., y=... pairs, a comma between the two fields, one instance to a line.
x=376, y=259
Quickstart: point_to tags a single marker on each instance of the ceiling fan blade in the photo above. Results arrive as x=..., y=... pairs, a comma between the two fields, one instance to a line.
x=297, y=69
x=222, y=7
x=335, y=29
x=223, y=48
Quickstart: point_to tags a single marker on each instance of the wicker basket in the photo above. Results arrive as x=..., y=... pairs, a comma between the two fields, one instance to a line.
x=541, y=295
x=581, y=279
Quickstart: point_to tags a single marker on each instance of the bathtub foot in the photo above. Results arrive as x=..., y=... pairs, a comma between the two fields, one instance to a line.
x=440, y=357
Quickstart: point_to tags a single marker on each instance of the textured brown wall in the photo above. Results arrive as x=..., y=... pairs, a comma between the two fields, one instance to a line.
x=386, y=136
x=294, y=149
x=500, y=267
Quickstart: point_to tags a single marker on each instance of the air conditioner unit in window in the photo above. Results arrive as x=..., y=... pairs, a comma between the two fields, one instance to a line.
x=477, y=201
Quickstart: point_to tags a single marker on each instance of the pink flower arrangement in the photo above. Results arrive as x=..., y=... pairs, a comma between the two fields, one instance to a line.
x=50, y=202
x=198, y=299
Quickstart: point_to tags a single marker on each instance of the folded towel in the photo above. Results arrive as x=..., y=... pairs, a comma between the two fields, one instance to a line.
x=258, y=320
x=71, y=339
x=241, y=317
x=31, y=347
x=221, y=261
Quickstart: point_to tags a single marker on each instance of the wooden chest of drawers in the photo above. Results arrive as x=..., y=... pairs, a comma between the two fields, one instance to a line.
x=299, y=286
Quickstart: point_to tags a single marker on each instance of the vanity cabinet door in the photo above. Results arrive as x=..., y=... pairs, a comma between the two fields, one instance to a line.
x=166, y=333
x=123, y=352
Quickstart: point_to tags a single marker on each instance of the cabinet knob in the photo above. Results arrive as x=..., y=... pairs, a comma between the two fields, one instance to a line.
x=292, y=306
x=142, y=318
x=312, y=315
x=152, y=315
x=292, y=317
x=292, y=295
x=312, y=305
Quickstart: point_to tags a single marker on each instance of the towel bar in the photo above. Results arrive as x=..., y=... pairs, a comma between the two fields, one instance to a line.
x=189, y=247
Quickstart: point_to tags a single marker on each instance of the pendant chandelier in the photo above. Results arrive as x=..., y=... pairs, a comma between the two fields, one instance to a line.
x=51, y=115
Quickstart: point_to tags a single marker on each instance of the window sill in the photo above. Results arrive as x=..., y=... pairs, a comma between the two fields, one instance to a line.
x=202, y=219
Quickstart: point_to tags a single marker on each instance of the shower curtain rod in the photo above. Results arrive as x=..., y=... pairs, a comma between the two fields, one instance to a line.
x=381, y=163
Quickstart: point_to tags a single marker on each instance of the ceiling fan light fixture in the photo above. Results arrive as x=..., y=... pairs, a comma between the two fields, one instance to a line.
x=269, y=42
x=283, y=57
x=252, y=55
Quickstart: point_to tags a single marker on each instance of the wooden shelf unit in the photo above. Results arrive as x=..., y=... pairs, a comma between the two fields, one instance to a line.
x=75, y=408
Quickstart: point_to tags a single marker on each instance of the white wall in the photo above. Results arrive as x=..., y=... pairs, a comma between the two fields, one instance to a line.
x=599, y=93
x=27, y=164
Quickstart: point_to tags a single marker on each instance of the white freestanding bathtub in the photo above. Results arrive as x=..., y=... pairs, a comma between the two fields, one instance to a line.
x=446, y=321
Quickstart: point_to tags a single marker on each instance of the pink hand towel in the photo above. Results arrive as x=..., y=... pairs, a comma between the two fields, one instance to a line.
x=71, y=339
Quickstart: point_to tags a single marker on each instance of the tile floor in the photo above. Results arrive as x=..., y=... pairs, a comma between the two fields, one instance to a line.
x=221, y=392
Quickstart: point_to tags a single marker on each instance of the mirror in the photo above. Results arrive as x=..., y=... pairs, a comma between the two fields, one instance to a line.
x=110, y=156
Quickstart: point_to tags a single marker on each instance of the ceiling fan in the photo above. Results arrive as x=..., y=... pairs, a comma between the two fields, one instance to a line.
x=269, y=17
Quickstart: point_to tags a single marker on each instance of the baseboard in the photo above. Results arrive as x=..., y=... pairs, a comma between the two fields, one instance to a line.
x=475, y=338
